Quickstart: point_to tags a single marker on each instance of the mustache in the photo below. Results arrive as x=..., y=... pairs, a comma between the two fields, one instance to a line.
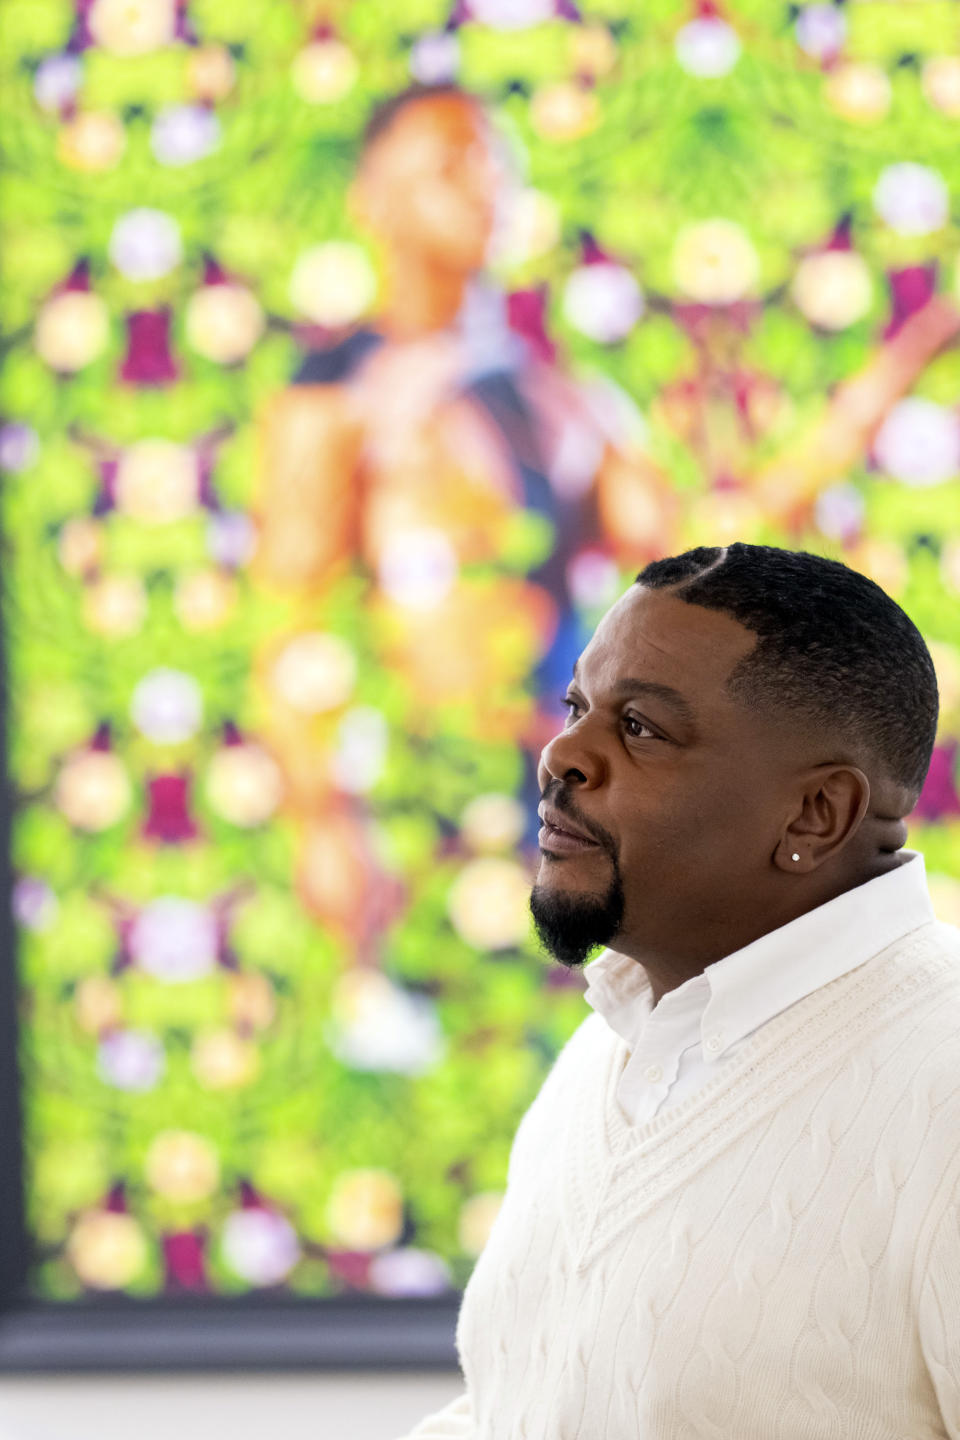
x=561, y=802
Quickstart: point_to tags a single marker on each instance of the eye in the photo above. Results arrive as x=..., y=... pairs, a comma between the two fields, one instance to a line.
x=635, y=720
x=573, y=705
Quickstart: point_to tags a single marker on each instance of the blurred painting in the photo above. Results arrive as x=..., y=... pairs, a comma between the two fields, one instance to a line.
x=356, y=357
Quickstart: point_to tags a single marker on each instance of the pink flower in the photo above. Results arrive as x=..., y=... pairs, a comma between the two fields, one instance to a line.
x=168, y=819
x=148, y=360
x=910, y=289
x=82, y=37
x=184, y=1259
x=351, y=1266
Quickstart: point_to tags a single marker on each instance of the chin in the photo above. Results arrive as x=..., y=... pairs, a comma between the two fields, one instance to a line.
x=571, y=924
x=460, y=250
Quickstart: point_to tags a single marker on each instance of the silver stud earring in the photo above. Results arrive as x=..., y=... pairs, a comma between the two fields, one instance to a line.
x=794, y=857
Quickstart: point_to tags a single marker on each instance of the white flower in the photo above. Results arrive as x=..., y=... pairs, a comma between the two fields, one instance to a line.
x=912, y=199
x=174, y=939
x=259, y=1245
x=167, y=706
x=34, y=904
x=19, y=446
x=409, y=1272
x=131, y=1060
x=603, y=301
x=511, y=14
x=358, y=761
x=821, y=30
x=231, y=537
x=57, y=81
x=435, y=57
x=378, y=1026
x=145, y=244
x=184, y=133
x=707, y=48
x=839, y=512
x=919, y=442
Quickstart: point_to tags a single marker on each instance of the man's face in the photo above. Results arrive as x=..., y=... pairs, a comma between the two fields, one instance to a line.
x=431, y=181
x=676, y=793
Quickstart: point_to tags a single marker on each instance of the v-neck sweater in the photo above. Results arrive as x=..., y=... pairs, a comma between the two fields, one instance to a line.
x=778, y=1255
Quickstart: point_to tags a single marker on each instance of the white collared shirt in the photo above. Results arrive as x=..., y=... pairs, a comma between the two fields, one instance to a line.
x=676, y=1046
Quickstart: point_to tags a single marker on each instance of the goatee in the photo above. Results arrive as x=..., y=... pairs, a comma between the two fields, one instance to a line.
x=571, y=926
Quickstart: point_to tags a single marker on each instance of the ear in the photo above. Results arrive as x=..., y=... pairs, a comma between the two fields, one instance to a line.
x=834, y=801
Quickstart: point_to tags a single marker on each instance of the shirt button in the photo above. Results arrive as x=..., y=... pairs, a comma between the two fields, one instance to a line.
x=653, y=1072
x=715, y=1043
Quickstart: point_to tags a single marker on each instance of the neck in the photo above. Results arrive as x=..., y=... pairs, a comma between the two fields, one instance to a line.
x=419, y=295
x=667, y=971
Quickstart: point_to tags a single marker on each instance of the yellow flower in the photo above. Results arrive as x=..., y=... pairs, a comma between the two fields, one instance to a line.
x=71, y=330
x=132, y=27
x=92, y=141
x=107, y=1250
x=93, y=790
x=365, y=1209
x=182, y=1166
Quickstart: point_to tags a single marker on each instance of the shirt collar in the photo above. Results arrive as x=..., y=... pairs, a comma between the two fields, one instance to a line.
x=748, y=987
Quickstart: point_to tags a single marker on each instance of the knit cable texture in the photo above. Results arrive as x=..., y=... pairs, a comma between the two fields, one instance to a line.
x=776, y=1258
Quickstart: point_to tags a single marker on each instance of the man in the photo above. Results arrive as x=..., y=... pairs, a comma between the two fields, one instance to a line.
x=733, y=1209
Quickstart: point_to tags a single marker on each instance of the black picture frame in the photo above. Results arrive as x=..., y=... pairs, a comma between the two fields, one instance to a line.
x=361, y=1332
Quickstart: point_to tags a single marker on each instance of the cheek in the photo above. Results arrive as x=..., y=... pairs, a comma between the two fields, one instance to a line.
x=660, y=840
x=452, y=223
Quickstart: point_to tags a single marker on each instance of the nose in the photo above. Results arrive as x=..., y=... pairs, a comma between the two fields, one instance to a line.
x=570, y=757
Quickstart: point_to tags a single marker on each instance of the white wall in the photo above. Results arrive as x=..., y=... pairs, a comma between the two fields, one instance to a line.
x=359, y=1405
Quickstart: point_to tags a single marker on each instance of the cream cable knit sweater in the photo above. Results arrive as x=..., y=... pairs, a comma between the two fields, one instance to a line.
x=775, y=1258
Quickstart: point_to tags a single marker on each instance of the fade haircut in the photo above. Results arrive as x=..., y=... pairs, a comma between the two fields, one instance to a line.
x=835, y=652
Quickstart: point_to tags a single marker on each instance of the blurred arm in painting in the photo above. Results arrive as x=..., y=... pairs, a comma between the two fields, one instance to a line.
x=788, y=484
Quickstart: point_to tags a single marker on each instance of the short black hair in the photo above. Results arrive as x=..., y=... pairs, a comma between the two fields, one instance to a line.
x=383, y=115
x=834, y=652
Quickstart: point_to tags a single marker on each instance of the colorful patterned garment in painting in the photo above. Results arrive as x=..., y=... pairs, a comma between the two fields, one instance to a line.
x=320, y=460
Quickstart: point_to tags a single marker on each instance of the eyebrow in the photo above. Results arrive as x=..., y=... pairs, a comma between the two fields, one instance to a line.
x=629, y=685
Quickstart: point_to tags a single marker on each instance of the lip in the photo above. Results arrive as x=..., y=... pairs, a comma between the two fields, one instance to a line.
x=560, y=836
